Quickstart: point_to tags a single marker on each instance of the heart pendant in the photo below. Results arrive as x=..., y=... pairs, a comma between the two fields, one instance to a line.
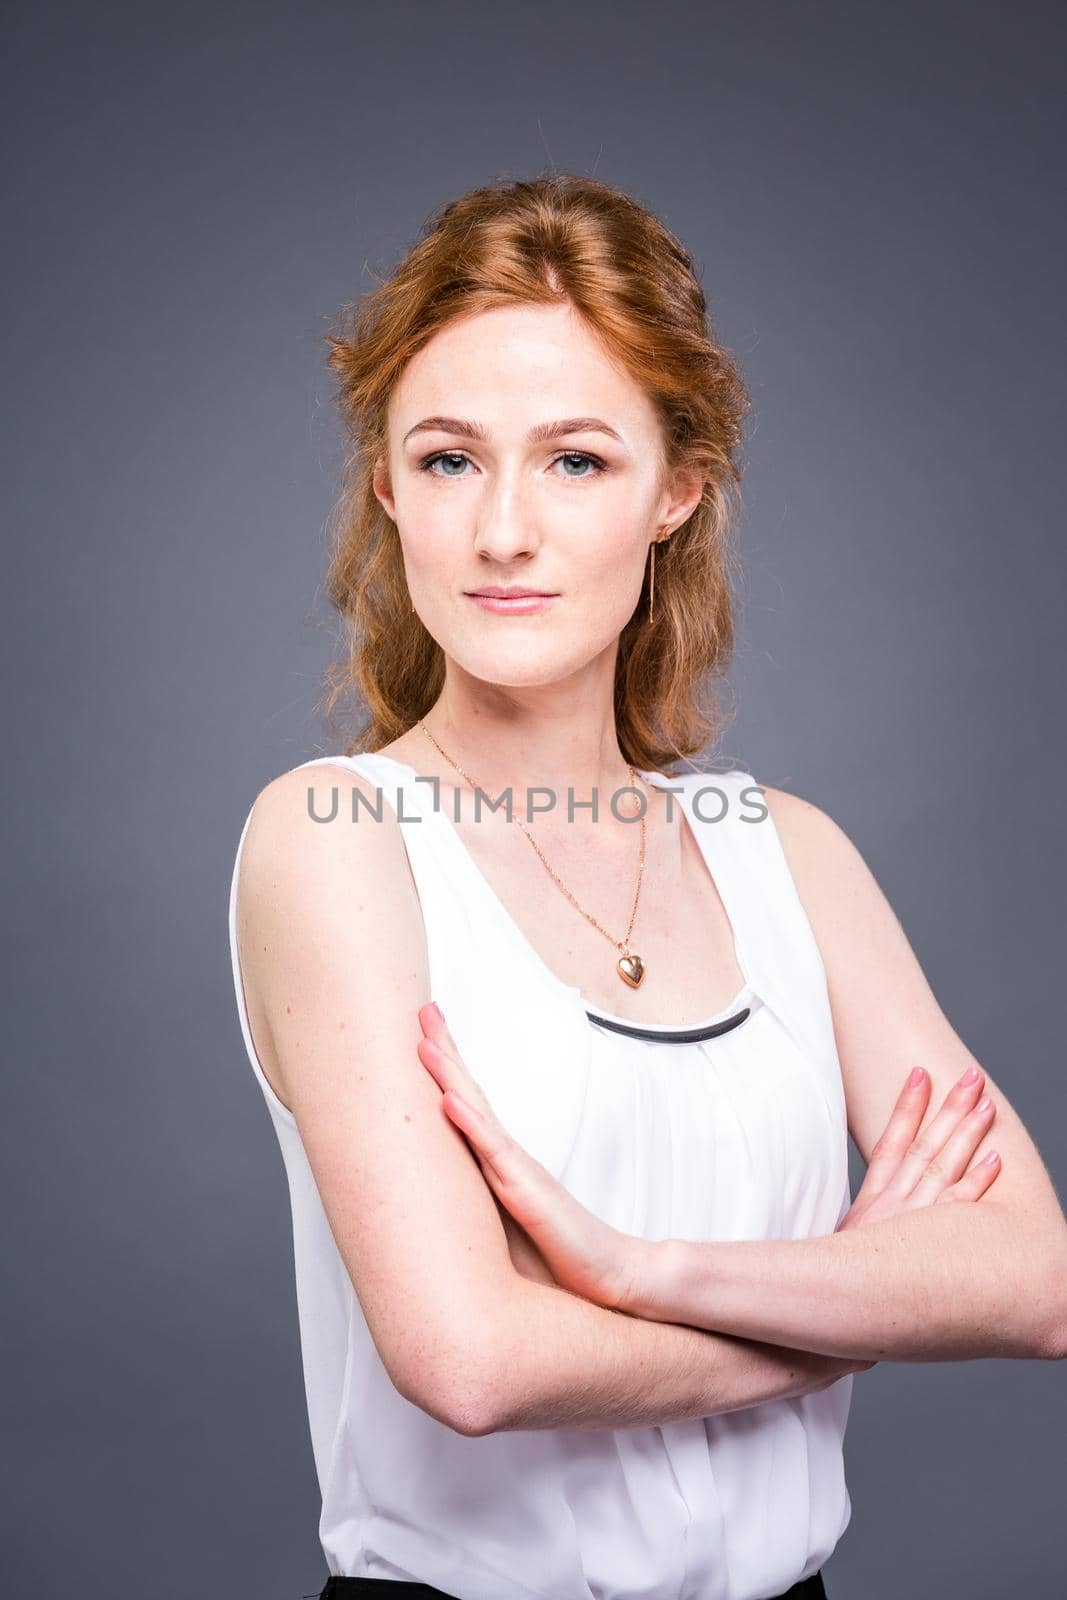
x=631, y=970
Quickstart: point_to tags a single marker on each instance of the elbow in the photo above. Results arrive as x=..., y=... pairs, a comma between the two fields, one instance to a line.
x=1033, y=1290
x=466, y=1374
x=474, y=1421
x=1052, y=1346
x=453, y=1393
x=459, y=1409
x=466, y=1410
x=1056, y=1344
x=1052, y=1340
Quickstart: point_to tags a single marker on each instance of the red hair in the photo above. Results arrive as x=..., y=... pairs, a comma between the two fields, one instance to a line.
x=543, y=242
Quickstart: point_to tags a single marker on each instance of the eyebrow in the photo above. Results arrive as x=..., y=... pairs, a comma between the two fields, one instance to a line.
x=537, y=435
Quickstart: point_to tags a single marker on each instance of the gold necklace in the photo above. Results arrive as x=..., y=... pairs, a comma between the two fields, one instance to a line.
x=630, y=967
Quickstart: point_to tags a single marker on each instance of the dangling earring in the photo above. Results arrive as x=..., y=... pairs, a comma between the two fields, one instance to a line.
x=652, y=571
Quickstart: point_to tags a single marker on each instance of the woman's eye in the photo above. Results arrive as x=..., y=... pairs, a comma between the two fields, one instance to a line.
x=454, y=461
x=581, y=458
x=452, y=457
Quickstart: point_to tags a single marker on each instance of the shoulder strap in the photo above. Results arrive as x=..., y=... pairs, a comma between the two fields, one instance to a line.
x=535, y=1077
x=775, y=940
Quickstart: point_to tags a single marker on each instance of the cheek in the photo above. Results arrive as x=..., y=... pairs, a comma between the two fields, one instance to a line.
x=608, y=555
x=607, y=527
x=433, y=540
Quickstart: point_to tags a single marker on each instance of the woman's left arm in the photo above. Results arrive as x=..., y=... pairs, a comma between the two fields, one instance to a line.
x=942, y=1283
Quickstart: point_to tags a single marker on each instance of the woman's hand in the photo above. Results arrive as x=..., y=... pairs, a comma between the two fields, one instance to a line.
x=572, y=1248
x=910, y=1169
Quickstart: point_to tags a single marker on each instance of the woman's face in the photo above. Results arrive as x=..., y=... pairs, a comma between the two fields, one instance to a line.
x=520, y=455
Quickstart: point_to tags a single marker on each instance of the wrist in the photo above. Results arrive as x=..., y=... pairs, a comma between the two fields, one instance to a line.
x=654, y=1289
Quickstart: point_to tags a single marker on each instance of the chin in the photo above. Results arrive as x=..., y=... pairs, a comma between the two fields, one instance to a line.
x=525, y=664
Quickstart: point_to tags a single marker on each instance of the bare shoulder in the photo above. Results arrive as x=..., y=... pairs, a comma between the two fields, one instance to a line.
x=305, y=830
x=318, y=872
x=855, y=927
x=837, y=888
x=813, y=842
x=334, y=949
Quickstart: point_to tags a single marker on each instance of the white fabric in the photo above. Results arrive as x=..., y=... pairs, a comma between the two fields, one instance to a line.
x=742, y=1136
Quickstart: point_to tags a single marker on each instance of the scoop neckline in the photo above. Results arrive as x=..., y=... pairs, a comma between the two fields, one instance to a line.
x=507, y=921
x=730, y=1009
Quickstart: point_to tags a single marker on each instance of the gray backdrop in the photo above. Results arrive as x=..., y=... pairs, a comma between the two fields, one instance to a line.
x=873, y=195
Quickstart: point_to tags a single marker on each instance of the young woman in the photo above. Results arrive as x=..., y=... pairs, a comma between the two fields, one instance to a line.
x=586, y=1323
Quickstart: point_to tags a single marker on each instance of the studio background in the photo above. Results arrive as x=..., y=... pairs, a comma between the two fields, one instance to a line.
x=873, y=195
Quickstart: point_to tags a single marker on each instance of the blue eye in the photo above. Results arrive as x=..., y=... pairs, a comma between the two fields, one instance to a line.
x=444, y=455
x=582, y=458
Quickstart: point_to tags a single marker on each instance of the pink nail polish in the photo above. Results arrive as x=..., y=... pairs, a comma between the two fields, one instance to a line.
x=917, y=1076
x=970, y=1076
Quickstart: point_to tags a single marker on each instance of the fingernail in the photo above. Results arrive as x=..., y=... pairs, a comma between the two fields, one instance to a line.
x=437, y=1008
x=984, y=1104
x=917, y=1076
x=992, y=1157
x=970, y=1076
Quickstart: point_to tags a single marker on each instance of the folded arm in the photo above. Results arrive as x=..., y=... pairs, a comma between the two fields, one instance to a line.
x=334, y=971
x=554, y=1360
x=948, y=1282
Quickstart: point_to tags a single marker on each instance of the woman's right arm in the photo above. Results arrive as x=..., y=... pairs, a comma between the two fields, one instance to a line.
x=333, y=961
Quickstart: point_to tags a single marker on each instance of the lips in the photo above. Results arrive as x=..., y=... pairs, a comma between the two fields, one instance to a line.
x=512, y=602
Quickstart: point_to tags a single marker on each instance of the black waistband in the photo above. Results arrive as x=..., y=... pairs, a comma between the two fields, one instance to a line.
x=398, y=1589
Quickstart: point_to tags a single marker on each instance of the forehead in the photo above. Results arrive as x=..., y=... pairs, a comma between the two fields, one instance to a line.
x=519, y=364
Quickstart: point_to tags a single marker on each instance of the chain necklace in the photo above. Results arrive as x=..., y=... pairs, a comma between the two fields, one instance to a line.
x=630, y=967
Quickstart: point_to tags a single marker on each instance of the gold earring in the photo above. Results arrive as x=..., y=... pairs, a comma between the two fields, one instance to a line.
x=652, y=573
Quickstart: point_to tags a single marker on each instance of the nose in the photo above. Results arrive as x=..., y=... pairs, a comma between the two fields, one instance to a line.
x=506, y=521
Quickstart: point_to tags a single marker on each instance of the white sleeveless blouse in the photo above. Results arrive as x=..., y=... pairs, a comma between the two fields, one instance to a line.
x=737, y=1133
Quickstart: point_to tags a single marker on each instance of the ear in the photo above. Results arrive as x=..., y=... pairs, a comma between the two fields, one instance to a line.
x=383, y=488
x=680, y=500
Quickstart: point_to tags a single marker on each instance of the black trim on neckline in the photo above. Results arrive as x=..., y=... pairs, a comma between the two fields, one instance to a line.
x=675, y=1035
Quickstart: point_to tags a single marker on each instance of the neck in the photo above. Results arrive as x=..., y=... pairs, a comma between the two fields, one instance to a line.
x=513, y=748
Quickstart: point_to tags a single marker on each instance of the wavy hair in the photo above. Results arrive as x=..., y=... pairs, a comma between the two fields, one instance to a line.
x=542, y=242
